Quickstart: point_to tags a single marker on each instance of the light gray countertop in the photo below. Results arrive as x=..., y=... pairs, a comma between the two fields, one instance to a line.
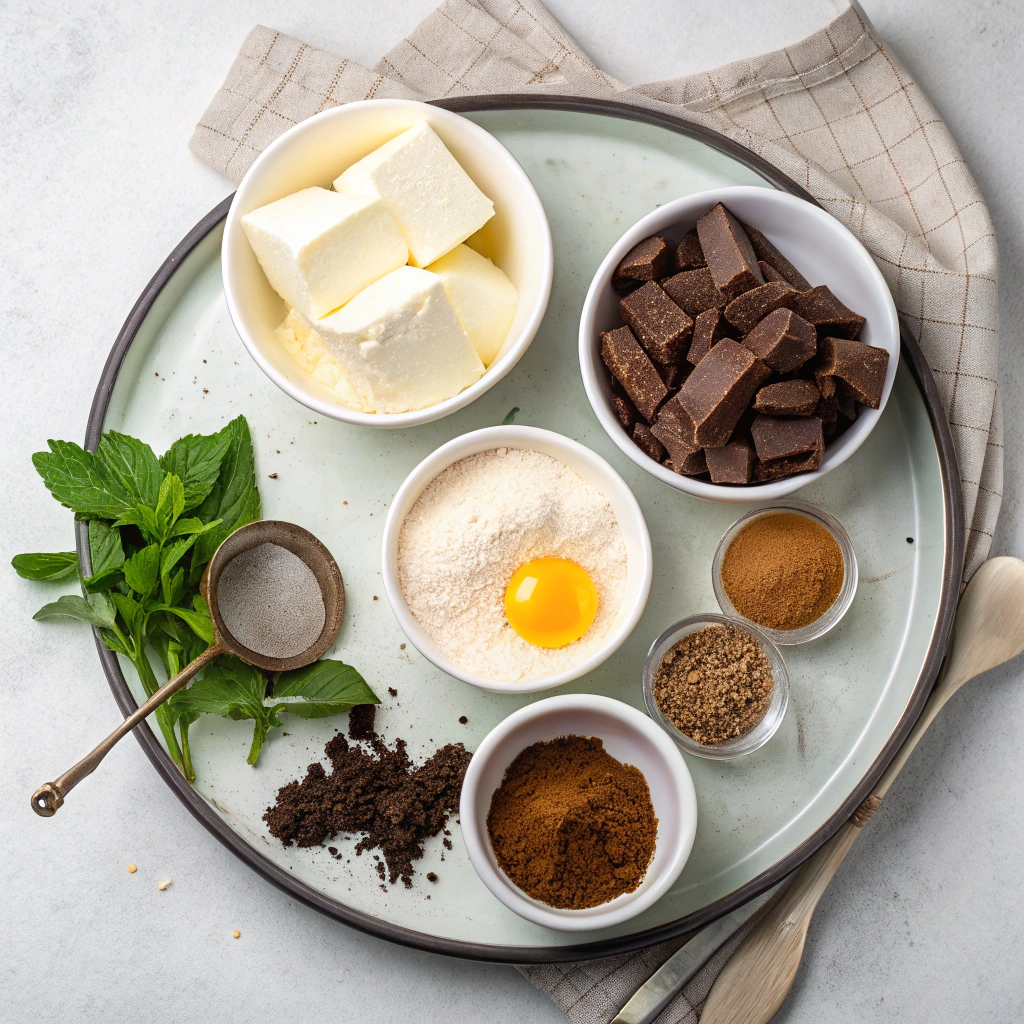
x=98, y=101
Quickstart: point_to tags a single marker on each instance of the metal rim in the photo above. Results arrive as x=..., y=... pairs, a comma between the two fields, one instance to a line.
x=955, y=536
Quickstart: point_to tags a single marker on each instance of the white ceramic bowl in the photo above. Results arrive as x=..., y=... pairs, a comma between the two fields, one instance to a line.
x=821, y=248
x=517, y=238
x=595, y=471
x=630, y=737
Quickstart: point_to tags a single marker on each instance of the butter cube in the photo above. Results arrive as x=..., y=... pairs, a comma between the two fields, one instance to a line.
x=400, y=345
x=434, y=201
x=319, y=248
x=483, y=298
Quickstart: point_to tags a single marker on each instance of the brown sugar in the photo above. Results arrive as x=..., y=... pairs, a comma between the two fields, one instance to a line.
x=714, y=684
x=783, y=571
x=572, y=826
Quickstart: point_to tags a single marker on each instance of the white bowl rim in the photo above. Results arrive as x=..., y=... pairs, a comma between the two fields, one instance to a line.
x=492, y=374
x=622, y=908
x=482, y=440
x=658, y=220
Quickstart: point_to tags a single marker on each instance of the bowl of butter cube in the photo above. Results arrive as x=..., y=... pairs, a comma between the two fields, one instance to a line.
x=386, y=262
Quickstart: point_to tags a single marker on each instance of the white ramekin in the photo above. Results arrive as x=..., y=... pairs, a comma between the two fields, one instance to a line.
x=818, y=245
x=630, y=737
x=517, y=238
x=595, y=471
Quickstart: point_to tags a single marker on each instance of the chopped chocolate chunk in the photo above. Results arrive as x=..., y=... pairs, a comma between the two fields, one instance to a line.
x=647, y=442
x=783, y=340
x=694, y=291
x=675, y=430
x=688, y=254
x=731, y=464
x=709, y=328
x=845, y=404
x=673, y=375
x=629, y=364
x=860, y=367
x=769, y=254
x=747, y=310
x=719, y=389
x=728, y=252
x=822, y=309
x=625, y=285
x=827, y=410
x=778, y=437
x=658, y=323
x=826, y=384
x=624, y=409
x=647, y=261
x=778, y=468
x=771, y=275
x=788, y=398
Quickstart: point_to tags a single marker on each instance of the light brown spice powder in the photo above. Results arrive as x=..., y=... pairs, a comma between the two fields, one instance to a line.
x=714, y=684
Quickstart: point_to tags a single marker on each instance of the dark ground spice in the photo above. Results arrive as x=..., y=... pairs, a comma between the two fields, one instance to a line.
x=572, y=826
x=376, y=792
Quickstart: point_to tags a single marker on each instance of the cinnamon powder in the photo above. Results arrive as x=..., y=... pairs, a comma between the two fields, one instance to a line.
x=572, y=826
x=783, y=571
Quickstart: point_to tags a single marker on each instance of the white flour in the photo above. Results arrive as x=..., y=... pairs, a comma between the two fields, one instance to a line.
x=474, y=526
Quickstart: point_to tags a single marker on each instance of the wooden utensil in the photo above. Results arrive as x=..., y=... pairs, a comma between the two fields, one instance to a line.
x=988, y=630
x=49, y=797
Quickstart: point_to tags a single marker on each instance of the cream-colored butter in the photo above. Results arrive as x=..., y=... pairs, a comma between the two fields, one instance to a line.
x=483, y=298
x=319, y=248
x=400, y=344
x=433, y=200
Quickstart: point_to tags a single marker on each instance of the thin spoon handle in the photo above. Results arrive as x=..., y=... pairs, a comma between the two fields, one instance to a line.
x=48, y=798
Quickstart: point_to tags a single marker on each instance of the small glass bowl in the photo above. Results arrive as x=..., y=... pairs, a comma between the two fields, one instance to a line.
x=820, y=626
x=739, y=745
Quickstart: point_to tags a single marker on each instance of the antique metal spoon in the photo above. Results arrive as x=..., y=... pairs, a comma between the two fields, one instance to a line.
x=988, y=630
x=48, y=798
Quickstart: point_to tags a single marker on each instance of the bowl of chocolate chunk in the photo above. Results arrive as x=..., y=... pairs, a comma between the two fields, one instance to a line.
x=717, y=685
x=386, y=262
x=578, y=812
x=738, y=343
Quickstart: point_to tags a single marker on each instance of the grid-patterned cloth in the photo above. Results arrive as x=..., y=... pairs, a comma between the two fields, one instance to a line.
x=836, y=112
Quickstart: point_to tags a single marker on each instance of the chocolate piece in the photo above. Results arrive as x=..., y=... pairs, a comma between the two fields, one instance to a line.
x=719, y=389
x=694, y=291
x=673, y=375
x=625, y=285
x=688, y=254
x=784, y=437
x=647, y=442
x=728, y=252
x=822, y=309
x=628, y=363
x=771, y=275
x=845, y=404
x=731, y=464
x=647, y=261
x=741, y=432
x=675, y=430
x=860, y=367
x=783, y=340
x=778, y=468
x=747, y=310
x=658, y=323
x=769, y=254
x=826, y=384
x=709, y=328
x=788, y=398
x=624, y=409
x=827, y=410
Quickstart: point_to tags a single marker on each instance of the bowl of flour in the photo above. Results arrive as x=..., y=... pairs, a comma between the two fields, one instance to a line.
x=475, y=511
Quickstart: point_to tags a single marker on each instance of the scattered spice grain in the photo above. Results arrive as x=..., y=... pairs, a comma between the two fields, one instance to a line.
x=572, y=826
x=132, y=869
x=783, y=571
x=714, y=684
x=236, y=934
x=163, y=885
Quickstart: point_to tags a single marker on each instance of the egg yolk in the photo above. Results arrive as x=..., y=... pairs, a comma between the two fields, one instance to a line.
x=551, y=602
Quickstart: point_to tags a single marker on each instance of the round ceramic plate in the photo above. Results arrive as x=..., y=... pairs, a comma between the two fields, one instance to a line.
x=179, y=367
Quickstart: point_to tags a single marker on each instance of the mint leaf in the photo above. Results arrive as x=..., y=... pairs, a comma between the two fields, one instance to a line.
x=170, y=504
x=56, y=566
x=199, y=622
x=318, y=690
x=105, y=553
x=130, y=610
x=75, y=478
x=510, y=416
x=142, y=569
x=99, y=613
x=191, y=525
x=128, y=465
x=234, y=499
x=195, y=459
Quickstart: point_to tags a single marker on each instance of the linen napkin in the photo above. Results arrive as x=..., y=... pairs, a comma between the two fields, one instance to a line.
x=836, y=111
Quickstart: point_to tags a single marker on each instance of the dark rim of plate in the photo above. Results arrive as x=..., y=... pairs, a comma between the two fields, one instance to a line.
x=955, y=535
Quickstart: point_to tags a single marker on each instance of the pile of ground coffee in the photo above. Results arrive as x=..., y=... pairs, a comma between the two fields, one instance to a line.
x=376, y=792
x=783, y=571
x=714, y=684
x=572, y=826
